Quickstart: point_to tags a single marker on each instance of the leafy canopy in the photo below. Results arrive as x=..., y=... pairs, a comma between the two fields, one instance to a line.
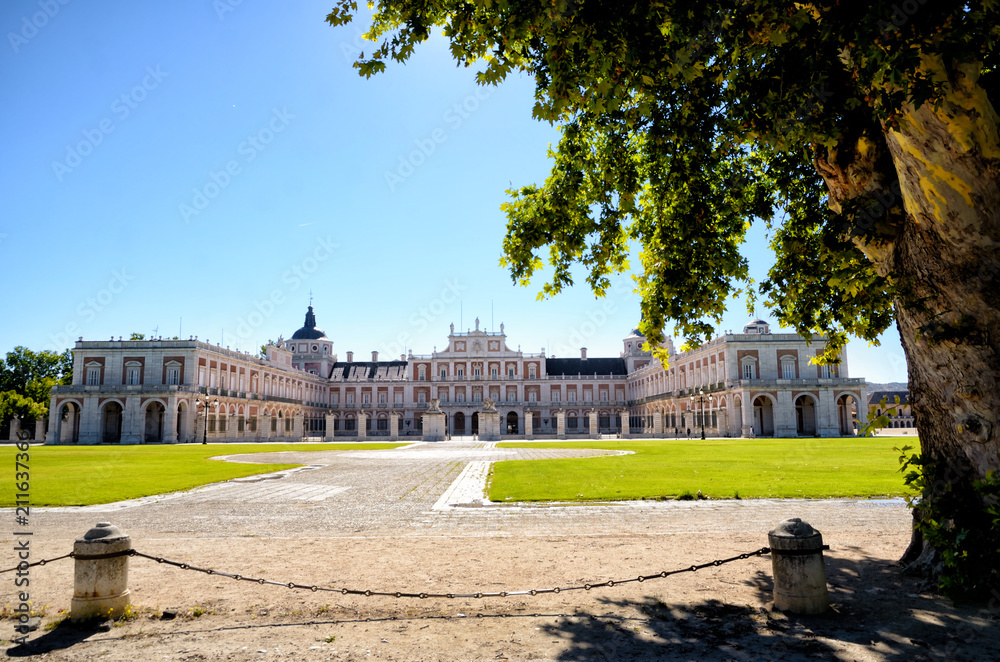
x=682, y=121
x=27, y=378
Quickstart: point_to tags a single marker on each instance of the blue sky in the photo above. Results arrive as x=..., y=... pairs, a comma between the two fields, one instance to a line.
x=200, y=167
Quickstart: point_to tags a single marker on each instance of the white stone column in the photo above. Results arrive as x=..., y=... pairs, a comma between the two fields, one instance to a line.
x=362, y=426
x=827, y=421
x=746, y=404
x=561, y=424
x=170, y=425
x=393, y=426
x=862, y=411
x=784, y=416
x=595, y=432
x=15, y=428
x=626, y=427
x=133, y=421
x=529, y=425
x=297, y=432
x=40, y=429
x=52, y=436
x=657, y=423
x=265, y=430
x=331, y=422
x=232, y=426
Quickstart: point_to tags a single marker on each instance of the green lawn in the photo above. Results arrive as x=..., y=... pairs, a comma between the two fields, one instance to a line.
x=753, y=468
x=84, y=475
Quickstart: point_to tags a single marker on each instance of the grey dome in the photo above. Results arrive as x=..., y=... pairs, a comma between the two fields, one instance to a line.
x=310, y=331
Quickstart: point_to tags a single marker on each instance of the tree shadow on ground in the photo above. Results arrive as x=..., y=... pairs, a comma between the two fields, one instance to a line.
x=65, y=634
x=876, y=613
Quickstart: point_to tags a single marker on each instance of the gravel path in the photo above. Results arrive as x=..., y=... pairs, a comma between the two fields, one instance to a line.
x=414, y=519
x=437, y=489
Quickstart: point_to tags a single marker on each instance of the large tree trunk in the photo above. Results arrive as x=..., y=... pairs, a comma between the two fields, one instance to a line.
x=945, y=251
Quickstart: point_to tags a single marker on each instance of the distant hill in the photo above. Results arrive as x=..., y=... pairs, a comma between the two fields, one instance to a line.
x=888, y=386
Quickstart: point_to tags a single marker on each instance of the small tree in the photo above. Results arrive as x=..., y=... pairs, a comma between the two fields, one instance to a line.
x=869, y=127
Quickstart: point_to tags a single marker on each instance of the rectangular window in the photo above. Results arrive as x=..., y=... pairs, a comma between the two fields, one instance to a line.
x=788, y=370
x=350, y=398
x=511, y=396
x=477, y=373
x=511, y=372
x=132, y=377
x=531, y=372
x=532, y=397
x=604, y=396
x=335, y=398
x=421, y=398
x=555, y=396
x=572, y=396
x=460, y=397
x=366, y=398
x=588, y=396
x=494, y=373
x=824, y=372
x=381, y=398
x=173, y=376
x=477, y=397
x=444, y=373
x=461, y=372
x=93, y=376
x=399, y=398
x=747, y=371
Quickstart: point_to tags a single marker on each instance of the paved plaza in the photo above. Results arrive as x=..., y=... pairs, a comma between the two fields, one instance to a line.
x=437, y=489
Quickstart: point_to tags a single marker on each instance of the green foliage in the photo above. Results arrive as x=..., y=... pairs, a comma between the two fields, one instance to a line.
x=137, y=336
x=960, y=521
x=26, y=381
x=715, y=468
x=682, y=122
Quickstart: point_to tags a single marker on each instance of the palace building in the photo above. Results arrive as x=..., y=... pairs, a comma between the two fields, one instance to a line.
x=753, y=383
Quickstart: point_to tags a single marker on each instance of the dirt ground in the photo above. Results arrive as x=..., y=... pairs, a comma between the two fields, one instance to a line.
x=414, y=520
x=721, y=613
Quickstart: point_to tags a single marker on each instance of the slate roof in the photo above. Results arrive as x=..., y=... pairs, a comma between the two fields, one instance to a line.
x=890, y=397
x=361, y=371
x=572, y=367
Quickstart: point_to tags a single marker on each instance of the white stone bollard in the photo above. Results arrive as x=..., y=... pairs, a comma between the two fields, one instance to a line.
x=100, y=585
x=797, y=564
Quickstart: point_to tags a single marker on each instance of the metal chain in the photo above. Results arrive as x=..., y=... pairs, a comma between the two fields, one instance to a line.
x=479, y=594
x=402, y=594
x=32, y=565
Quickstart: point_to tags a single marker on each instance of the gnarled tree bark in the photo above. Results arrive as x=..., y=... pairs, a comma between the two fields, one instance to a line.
x=944, y=248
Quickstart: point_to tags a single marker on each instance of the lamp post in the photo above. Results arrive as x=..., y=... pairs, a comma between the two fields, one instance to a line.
x=205, y=403
x=701, y=401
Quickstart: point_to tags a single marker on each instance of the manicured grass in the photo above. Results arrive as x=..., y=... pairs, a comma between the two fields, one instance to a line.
x=85, y=475
x=720, y=468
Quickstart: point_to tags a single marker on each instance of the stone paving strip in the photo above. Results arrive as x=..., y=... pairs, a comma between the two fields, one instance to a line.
x=437, y=489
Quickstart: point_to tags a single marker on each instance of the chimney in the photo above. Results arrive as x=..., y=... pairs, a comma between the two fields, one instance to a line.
x=374, y=356
x=583, y=353
x=402, y=357
x=350, y=357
